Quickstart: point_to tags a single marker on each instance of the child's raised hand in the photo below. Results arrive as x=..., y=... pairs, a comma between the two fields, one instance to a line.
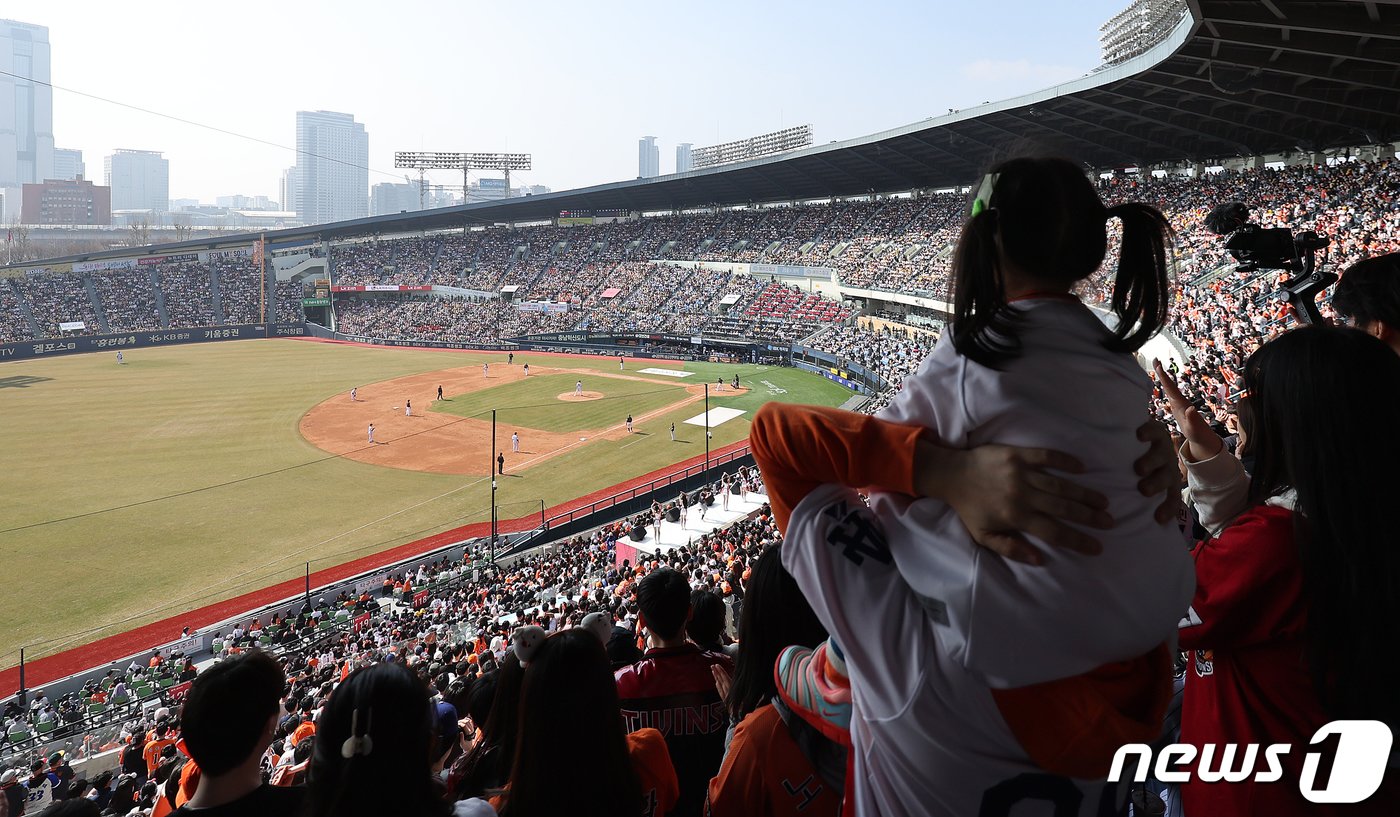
x=1003, y=493
x=1201, y=442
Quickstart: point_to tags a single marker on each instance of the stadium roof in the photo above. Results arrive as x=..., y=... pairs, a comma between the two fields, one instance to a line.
x=1233, y=78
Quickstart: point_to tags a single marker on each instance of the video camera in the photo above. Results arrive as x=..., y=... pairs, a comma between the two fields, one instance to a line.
x=1258, y=248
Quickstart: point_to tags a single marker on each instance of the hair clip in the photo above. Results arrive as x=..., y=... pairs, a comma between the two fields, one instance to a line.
x=358, y=744
x=982, y=201
x=527, y=641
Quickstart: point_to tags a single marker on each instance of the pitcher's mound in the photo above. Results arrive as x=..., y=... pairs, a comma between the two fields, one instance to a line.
x=572, y=397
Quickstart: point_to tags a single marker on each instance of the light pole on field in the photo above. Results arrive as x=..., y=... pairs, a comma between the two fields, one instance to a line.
x=491, y=469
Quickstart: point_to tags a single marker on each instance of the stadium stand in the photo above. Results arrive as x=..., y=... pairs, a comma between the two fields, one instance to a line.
x=452, y=622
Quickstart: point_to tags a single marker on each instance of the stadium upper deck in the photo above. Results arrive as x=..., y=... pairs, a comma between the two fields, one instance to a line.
x=1232, y=79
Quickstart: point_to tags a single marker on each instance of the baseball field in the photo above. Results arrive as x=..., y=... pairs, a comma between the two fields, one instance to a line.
x=188, y=475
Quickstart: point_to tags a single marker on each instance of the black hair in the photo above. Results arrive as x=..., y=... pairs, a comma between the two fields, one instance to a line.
x=227, y=710
x=1370, y=291
x=776, y=615
x=487, y=764
x=663, y=597
x=1045, y=217
x=572, y=757
x=73, y=807
x=707, y=621
x=388, y=704
x=1324, y=402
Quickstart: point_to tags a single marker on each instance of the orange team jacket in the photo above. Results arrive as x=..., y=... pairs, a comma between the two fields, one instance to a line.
x=302, y=732
x=151, y=753
x=765, y=774
x=1061, y=725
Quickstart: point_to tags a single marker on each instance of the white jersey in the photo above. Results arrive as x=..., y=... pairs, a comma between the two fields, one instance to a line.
x=927, y=736
x=1014, y=624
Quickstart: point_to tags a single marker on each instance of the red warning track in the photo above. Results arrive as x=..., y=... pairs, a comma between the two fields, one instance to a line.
x=112, y=648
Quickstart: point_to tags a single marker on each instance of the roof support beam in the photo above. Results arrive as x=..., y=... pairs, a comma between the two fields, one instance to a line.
x=1251, y=101
x=1156, y=144
x=1195, y=130
x=899, y=174
x=1259, y=85
x=1099, y=147
x=1291, y=68
x=1345, y=18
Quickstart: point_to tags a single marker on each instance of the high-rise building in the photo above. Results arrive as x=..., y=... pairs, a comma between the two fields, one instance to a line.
x=332, y=171
x=388, y=198
x=287, y=189
x=66, y=202
x=684, y=161
x=140, y=180
x=648, y=158
x=68, y=165
x=26, y=111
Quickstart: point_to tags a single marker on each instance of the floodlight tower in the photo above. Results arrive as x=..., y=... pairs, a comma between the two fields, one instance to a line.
x=432, y=160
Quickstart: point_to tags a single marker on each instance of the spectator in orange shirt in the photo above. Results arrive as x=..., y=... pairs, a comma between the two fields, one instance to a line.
x=764, y=771
x=162, y=738
x=304, y=730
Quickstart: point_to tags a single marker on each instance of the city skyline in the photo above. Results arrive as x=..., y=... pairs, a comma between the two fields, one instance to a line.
x=907, y=62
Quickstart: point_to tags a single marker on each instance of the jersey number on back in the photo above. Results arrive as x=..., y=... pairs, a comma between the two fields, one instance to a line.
x=855, y=533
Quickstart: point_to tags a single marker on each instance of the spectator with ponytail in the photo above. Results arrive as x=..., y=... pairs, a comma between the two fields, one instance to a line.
x=772, y=745
x=972, y=674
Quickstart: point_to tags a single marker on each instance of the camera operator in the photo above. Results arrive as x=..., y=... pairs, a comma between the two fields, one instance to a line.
x=1369, y=297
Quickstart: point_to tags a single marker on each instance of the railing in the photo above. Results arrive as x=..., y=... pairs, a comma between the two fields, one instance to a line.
x=650, y=487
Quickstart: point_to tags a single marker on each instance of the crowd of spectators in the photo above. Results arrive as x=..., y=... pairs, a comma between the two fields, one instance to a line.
x=240, y=287
x=189, y=295
x=14, y=325
x=449, y=623
x=58, y=297
x=127, y=298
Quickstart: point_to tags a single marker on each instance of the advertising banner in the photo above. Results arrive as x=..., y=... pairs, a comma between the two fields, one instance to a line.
x=136, y=340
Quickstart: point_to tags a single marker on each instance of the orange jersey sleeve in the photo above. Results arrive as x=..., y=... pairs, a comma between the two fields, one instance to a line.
x=652, y=761
x=764, y=772
x=798, y=448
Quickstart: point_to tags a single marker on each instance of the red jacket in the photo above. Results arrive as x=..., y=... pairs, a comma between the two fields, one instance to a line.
x=673, y=690
x=1247, y=678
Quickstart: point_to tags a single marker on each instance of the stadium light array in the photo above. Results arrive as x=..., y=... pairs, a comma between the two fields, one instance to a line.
x=1137, y=28
x=754, y=147
x=423, y=161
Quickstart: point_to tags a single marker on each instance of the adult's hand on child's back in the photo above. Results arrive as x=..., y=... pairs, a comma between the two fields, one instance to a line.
x=1003, y=494
x=1158, y=469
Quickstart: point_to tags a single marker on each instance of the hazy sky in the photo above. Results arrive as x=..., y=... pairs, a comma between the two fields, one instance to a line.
x=576, y=84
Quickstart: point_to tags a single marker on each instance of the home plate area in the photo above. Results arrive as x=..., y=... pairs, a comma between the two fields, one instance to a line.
x=666, y=372
x=718, y=417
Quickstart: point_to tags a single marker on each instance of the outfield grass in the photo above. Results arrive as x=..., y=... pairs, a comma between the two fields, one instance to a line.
x=534, y=402
x=132, y=493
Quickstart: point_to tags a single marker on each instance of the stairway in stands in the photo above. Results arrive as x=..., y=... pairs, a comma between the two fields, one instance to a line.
x=34, y=329
x=160, y=298
x=215, y=301
x=96, y=305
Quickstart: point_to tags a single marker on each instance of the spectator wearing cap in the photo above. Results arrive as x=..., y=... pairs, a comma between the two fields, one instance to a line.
x=40, y=785
x=230, y=716
x=14, y=792
x=675, y=676
x=61, y=773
